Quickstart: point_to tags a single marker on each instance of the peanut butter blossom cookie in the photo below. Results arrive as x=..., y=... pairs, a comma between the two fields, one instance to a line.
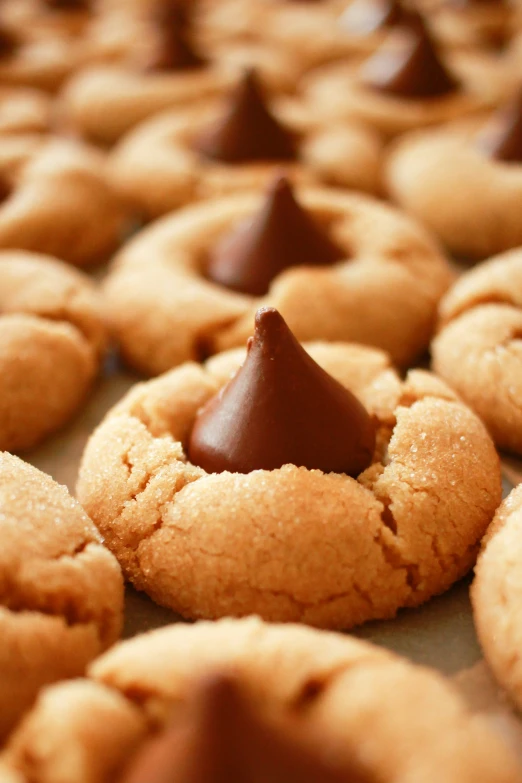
x=228, y=145
x=408, y=83
x=62, y=591
x=52, y=340
x=337, y=265
x=465, y=181
x=478, y=349
x=321, y=457
x=496, y=596
x=243, y=700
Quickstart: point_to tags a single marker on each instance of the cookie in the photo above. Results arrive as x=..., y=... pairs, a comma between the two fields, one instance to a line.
x=464, y=181
x=221, y=147
x=408, y=83
x=163, y=70
x=52, y=190
x=62, y=591
x=167, y=520
x=385, y=293
x=495, y=596
x=403, y=721
x=23, y=110
x=478, y=350
x=49, y=18
x=29, y=60
x=52, y=339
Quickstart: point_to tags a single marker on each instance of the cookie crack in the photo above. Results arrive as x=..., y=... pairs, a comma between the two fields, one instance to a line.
x=19, y=599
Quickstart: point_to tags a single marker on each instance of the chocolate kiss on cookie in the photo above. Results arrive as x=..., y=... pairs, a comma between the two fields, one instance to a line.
x=407, y=64
x=282, y=408
x=247, y=131
x=281, y=235
x=502, y=136
x=223, y=739
x=367, y=16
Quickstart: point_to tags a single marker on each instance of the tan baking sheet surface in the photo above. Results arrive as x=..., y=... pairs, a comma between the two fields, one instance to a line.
x=440, y=634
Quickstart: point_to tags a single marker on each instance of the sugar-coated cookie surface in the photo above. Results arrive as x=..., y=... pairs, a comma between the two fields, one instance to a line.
x=385, y=293
x=496, y=596
x=478, y=349
x=209, y=545
x=404, y=721
x=52, y=339
x=61, y=600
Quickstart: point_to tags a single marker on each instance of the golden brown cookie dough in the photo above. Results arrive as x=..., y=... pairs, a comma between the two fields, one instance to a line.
x=445, y=178
x=57, y=199
x=163, y=311
x=496, y=596
x=52, y=338
x=478, y=350
x=209, y=545
x=61, y=601
x=337, y=91
x=404, y=721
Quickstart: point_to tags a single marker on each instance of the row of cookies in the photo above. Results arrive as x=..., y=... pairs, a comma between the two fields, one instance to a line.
x=135, y=473
x=211, y=700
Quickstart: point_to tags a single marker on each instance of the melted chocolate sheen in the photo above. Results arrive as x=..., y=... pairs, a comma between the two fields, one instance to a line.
x=367, y=16
x=247, y=131
x=223, y=738
x=505, y=140
x=408, y=65
x=281, y=235
x=282, y=408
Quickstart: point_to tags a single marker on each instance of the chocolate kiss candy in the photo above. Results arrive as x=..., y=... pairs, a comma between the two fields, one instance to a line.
x=282, y=234
x=502, y=137
x=225, y=740
x=247, y=131
x=282, y=408
x=173, y=50
x=366, y=16
x=407, y=64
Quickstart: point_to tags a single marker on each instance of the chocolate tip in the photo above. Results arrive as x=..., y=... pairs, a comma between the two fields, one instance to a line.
x=218, y=687
x=267, y=318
